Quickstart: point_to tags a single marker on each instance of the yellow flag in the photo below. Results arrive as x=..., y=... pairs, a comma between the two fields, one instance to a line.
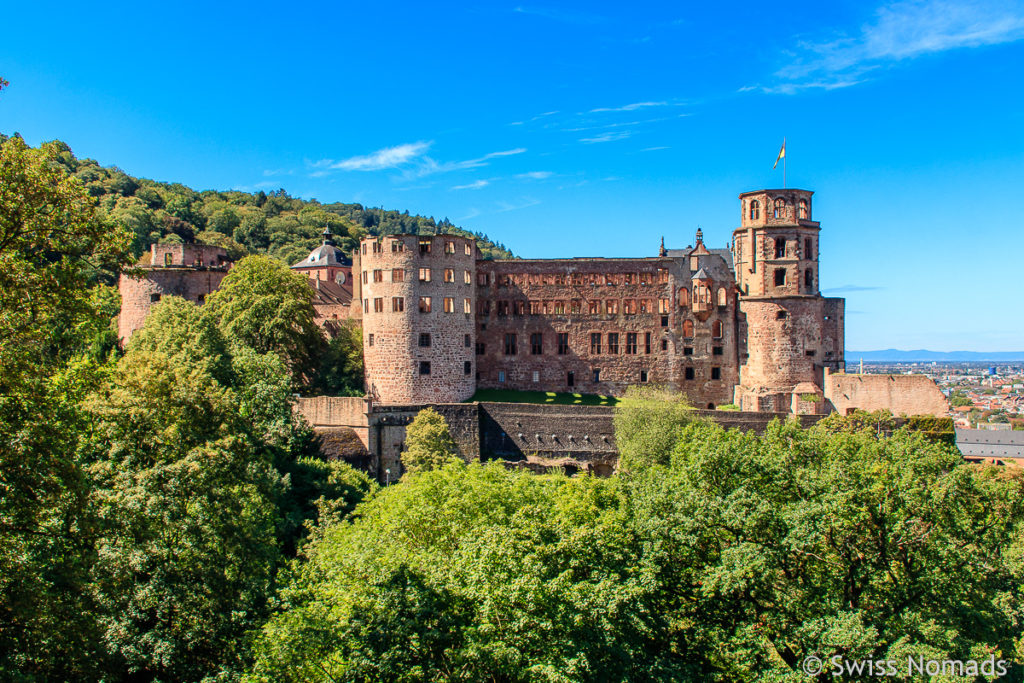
x=782, y=154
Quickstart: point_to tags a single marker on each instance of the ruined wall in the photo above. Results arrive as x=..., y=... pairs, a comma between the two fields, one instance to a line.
x=139, y=295
x=900, y=394
x=387, y=425
x=413, y=354
x=784, y=337
x=652, y=299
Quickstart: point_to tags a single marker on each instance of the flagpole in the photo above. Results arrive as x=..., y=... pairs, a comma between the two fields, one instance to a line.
x=784, y=164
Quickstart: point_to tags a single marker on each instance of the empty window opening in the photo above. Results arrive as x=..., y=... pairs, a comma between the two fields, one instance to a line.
x=780, y=248
x=595, y=343
x=647, y=342
x=467, y=367
x=631, y=343
x=780, y=277
x=717, y=329
x=808, y=248
x=643, y=375
x=716, y=373
x=424, y=367
x=536, y=344
x=597, y=374
x=808, y=279
x=755, y=210
x=468, y=343
x=664, y=344
x=780, y=208
x=688, y=373
x=781, y=315
x=802, y=209
x=570, y=378
x=717, y=350
x=563, y=343
x=424, y=245
x=424, y=339
x=424, y=304
x=687, y=350
x=613, y=342
x=153, y=298
x=510, y=344
x=397, y=304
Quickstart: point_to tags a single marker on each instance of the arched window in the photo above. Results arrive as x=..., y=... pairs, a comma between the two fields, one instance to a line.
x=723, y=299
x=780, y=208
x=801, y=211
x=809, y=278
x=687, y=328
x=780, y=247
x=684, y=297
x=716, y=329
x=755, y=210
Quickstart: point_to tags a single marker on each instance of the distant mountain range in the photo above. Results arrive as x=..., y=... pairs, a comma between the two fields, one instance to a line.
x=921, y=355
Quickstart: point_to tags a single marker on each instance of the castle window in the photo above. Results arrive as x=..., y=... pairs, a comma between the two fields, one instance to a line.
x=153, y=298
x=663, y=306
x=687, y=350
x=723, y=297
x=780, y=208
x=534, y=308
x=809, y=353
x=684, y=297
x=424, y=304
x=559, y=308
x=449, y=275
x=687, y=328
x=717, y=351
x=645, y=305
x=362, y=248
x=755, y=210
x=467, y=278
x=781, y=315
x=536, y=376
x=645, y=278
x=424, y=339
x=501, y=376
x=377, y=247
x=780, y=277
x=424, y=274
x=481, y=348
x=502, y=309
x=536, y=343
x=510, y=344
x=482, y=279
x=611, y=307
x=609, y=279
x=396, y=246
x=628, y=307
x=366, y=305
x=597, y=375
x=449, y=247
x=716, y=329
x=467, y=306
x=424, y=245
x=485, y=309
x=424, y=367
x=595, y=344
x=167, y=259
x=397, y=275
x=801, y=211
x=664, y=344
x=643, y=375
x=662, y=276
x=449, y=304
x=518, y=307
x=397, y=304
x=570, y=378
x=574, y=306
x=808, y=279
x=378, y=275
x=808, y=248
x=647, y=342
x=366, y=277
x=689, y=374
x=716, y=373
x=370, y=340
x=563, y=343
x=595, y=306
x=467, y=343
x=378, y=304
x=613, y=342
x=201, y=299
x=780, y=247
x=467, y=367
x=469, y=249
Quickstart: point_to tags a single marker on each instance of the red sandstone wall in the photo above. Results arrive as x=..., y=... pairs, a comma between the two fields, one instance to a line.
x=391, y=350
x=137, y=293
x=900, y=394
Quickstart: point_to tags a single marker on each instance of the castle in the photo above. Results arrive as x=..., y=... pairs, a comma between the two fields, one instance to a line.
x=744, y=325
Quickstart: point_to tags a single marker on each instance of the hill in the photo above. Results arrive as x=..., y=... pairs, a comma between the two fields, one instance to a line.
x=920, y=355
x=274, y=223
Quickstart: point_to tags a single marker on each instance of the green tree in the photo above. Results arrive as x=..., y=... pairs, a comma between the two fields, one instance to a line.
x=648, y=422
x=428, y=443
x=263, y=305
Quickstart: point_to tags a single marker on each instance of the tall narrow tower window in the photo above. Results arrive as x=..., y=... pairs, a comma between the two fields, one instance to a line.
x=801, y=211
x=808, y=248
x=780, y=277
x=780, y=248
x=809, y=278
x=780, y=208
x=755, y=210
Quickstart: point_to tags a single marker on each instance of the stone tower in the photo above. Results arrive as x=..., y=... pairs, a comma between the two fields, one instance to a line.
x=190, y=271
x=792, y=332
x=418, y=293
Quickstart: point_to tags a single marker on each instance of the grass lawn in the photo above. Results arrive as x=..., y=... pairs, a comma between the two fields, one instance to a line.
x=550, y=397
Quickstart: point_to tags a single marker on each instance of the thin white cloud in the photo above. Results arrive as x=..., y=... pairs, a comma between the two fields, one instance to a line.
x=515, y=206
x=534, y=175
x=428, y=166
x=475, y=185
x=630, y=107
x=389, y=157
x=472, y=213
x=653, y=149
x=899, y=31
x=606, y=137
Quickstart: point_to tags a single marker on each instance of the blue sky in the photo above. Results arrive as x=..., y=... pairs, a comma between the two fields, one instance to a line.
x=571, y=129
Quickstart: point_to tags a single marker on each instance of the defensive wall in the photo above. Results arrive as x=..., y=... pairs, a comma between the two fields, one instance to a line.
x=578, y=438
x=900, y=394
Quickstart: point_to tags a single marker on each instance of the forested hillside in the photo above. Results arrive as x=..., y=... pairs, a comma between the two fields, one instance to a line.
x=274, y=223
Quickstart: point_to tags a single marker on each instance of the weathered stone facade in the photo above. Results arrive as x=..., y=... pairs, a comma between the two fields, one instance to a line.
x=687, y=318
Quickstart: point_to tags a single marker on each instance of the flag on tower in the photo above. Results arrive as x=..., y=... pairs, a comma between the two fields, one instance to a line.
x=782, y=154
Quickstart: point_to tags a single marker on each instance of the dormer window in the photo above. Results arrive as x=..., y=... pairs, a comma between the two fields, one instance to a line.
x=755, y=210
x=780, y=208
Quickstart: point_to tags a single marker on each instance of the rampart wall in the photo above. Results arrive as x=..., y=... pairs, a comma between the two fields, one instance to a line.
x=899, y=394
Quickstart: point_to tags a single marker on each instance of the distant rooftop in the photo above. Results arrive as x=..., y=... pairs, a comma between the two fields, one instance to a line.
x=985, y=443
